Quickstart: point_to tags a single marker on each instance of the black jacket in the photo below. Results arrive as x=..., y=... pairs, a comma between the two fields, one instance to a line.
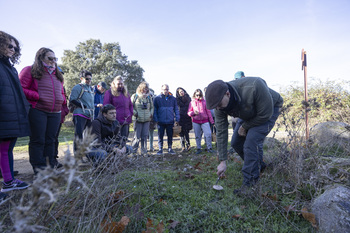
x=106, y=133
x=185, y=119
x=14, y=106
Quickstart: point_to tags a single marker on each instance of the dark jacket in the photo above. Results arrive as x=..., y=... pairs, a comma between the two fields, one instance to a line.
x=165, y=109
x=98, y=99
x=254, y=103
x=106, y=133
x=183, y=102
x=14, y=106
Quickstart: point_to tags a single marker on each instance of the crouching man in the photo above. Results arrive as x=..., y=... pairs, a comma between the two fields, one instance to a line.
x=257, y=107
x=106, y=129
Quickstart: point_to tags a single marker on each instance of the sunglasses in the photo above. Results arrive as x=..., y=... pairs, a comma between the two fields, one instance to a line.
x=13, y=47
x=88, y=79
x=55, y=59
x=198, y=95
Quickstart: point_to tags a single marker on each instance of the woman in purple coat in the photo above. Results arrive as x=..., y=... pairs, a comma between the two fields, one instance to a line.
x=119, y=97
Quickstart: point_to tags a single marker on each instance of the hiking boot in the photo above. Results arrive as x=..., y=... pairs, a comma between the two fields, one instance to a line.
x=171, y=151
x=231, y=150
x=198, y=151
x=14, y=184
x=3, y=196
x=160, y=152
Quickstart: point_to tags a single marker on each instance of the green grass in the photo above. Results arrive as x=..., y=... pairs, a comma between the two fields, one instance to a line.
x=66, y=136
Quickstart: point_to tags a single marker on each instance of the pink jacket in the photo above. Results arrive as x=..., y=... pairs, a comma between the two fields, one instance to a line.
x=204, y=114
x=46, y=94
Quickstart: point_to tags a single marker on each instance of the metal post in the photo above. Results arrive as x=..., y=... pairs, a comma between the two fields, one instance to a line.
x=304, y=67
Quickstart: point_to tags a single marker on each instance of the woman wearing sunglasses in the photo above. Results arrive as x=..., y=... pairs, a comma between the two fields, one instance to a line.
x=43, y=86
x=201, y=117
x=14, y=110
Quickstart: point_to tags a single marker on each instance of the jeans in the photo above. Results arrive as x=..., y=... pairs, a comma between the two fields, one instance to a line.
x=97, y=155
x=43, y=127
x=80, y=123
x=141, y=134
x=250, y=148
x=198, y=128
x=124, y=133
x=169, y=132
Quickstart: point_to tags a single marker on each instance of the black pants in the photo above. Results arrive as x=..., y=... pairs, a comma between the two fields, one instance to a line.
x=80, y=123
x=43, y=127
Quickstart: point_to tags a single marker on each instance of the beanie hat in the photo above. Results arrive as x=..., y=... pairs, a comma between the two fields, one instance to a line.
x=214, y=93
x=239, y=74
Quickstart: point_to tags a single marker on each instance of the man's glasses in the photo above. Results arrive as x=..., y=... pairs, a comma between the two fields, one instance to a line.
x=13, y=47
x=88, y=79
x=55, y=59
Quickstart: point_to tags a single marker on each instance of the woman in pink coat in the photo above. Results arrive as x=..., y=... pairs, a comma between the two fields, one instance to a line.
x=201, y=117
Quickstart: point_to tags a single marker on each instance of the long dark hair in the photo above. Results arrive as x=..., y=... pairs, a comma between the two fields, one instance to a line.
x=5, y=40
x=38, y=67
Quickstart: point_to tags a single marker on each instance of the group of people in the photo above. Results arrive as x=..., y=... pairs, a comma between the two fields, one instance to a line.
x=34, y=103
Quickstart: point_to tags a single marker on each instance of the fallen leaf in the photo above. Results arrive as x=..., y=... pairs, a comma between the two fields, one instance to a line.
x=272, y=197
x=309, y=217
x=173, y=224
x=150, y=228
x=197, y=166
x=163, y=201
x=236, y=160
x=236, y=216
x=289, y=208
x=117, y=196
x=115, y=227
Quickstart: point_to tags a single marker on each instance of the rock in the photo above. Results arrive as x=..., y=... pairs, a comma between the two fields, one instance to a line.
x=331, y=133
x=332, y=210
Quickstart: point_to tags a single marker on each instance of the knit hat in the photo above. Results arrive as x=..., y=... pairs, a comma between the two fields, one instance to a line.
x=214, y=93
x=239, y=74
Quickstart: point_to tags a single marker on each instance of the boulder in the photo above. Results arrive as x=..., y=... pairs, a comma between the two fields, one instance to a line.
x=332, y=210
x=331, y=134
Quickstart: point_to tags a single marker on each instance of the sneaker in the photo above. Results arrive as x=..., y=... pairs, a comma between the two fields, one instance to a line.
x=3, y=196
x=171, y=151
x=151, y=149
x=14, y=184
x=198, y=151
x=211, y=150
x=160, y=152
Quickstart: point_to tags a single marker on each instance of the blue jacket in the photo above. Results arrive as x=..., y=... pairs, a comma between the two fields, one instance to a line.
x=98, y=100
x=165, y=109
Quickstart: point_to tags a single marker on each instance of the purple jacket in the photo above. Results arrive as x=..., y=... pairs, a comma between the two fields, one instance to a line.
x=123, y=106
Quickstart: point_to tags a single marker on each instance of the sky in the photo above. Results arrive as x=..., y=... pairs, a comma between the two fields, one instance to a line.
x=190, y=43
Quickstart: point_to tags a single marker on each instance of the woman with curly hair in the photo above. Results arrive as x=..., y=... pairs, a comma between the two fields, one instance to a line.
x=183, y=102
x=143, y=114
x=43, y=86
x=14, y=110
x=119, y=97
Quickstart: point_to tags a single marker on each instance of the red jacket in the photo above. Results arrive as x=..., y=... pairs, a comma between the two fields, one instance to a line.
x=46, y=94
x=204, y=114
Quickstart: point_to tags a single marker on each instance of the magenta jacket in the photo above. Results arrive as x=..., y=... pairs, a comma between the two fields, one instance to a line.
x=123, y=106
x=46, y=94
x=204, y=114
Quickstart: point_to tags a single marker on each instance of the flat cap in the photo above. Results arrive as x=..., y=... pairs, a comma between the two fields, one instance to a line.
x=214, y=93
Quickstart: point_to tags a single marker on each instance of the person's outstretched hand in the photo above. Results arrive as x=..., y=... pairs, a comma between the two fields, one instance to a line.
x=221, y=168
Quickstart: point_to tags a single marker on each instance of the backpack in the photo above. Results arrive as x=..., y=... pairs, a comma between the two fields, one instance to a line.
x=72, y=106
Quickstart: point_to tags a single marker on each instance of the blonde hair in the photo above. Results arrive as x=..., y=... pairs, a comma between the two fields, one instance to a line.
x=142, y=86
x=114, y=88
